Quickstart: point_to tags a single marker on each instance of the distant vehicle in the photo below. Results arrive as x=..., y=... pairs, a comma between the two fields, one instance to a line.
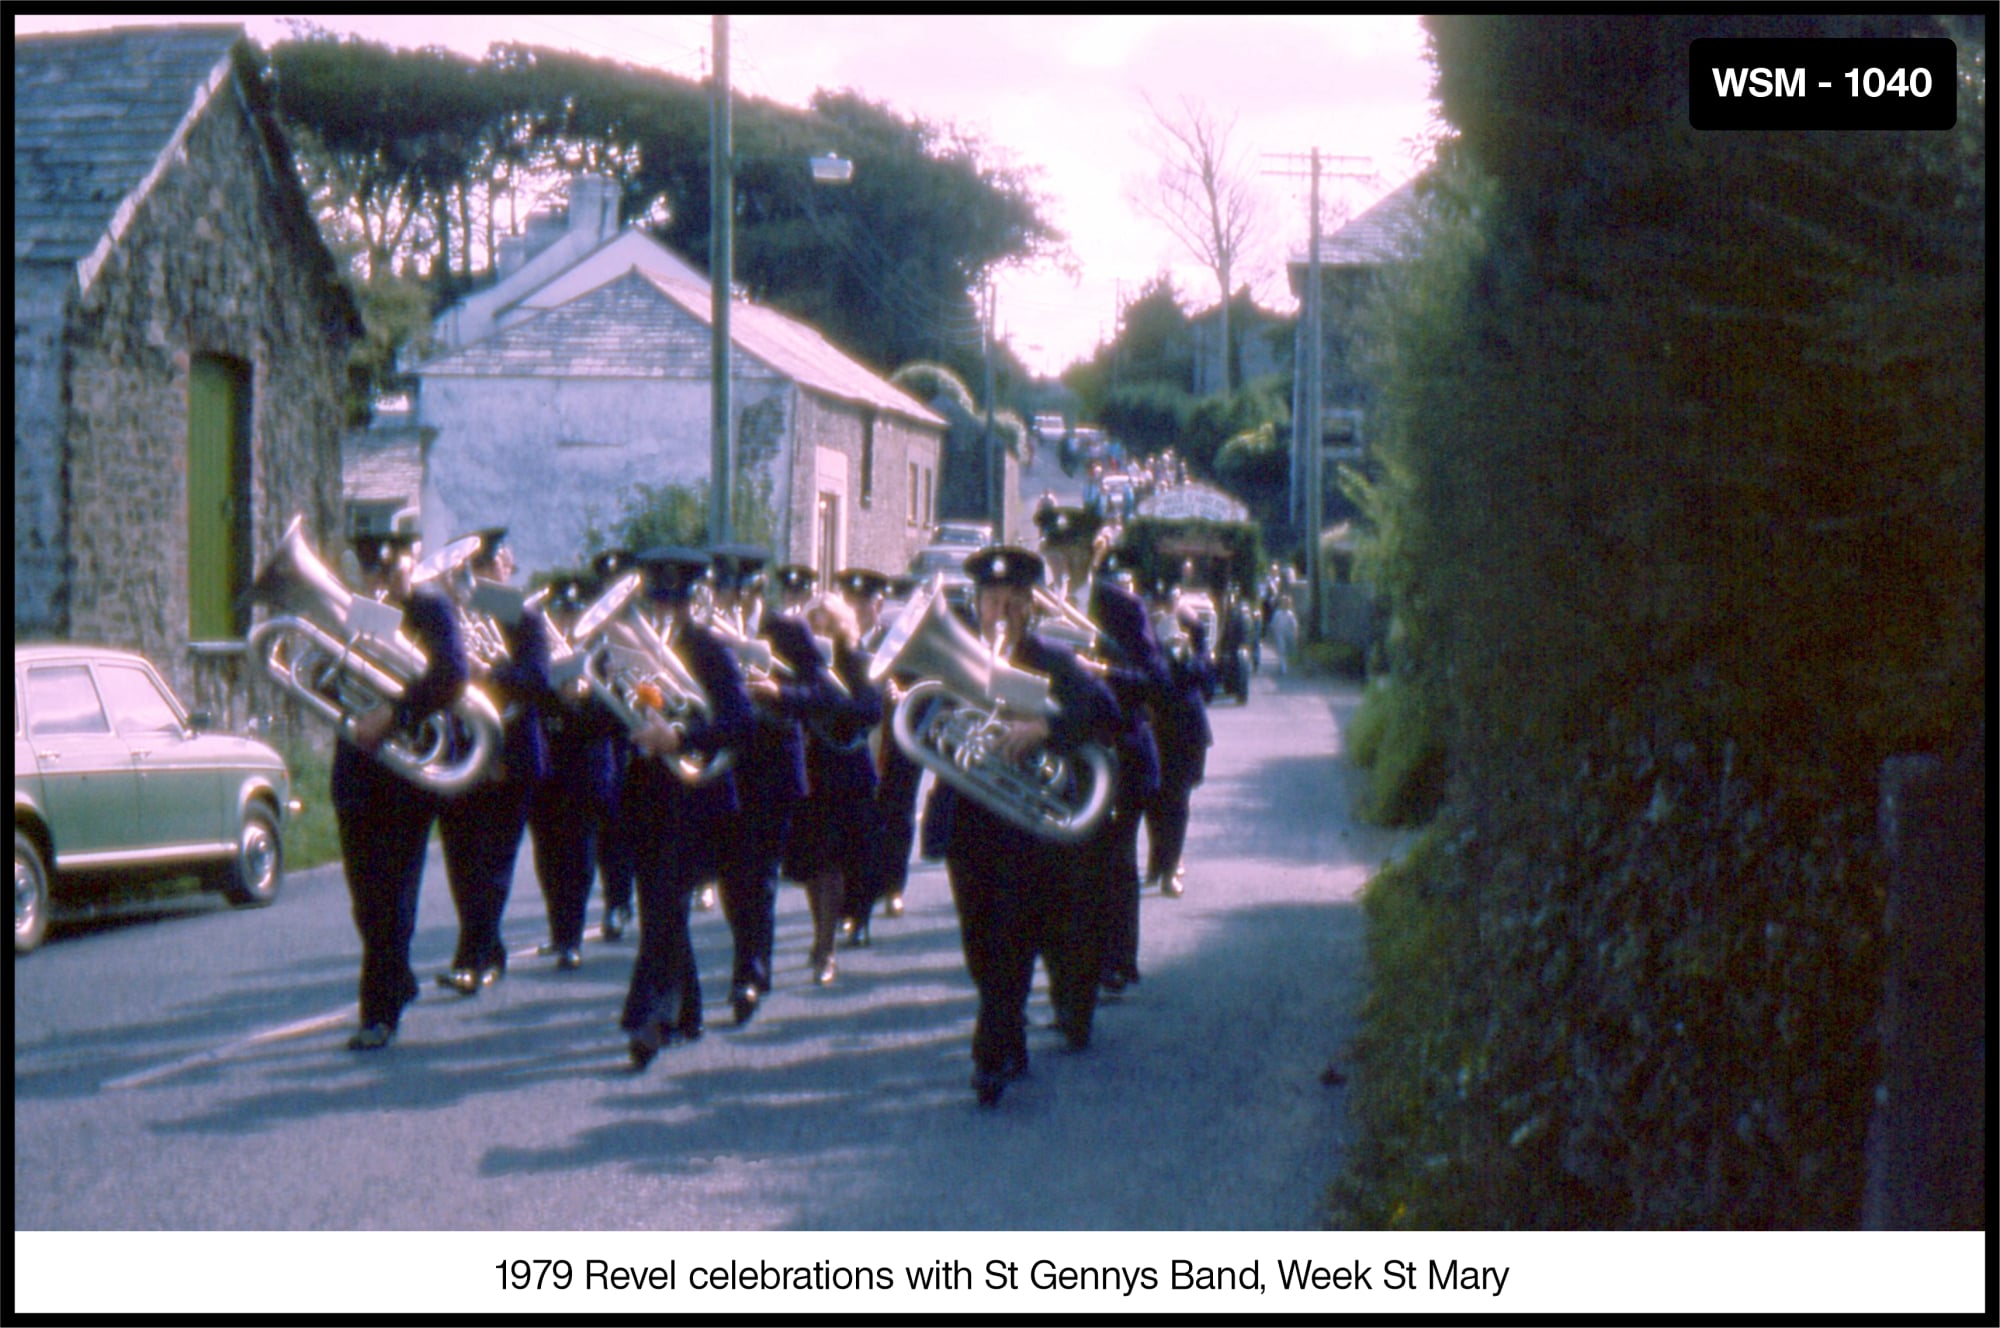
x=969, y=534
x=946, y=558
x=113, y=778
x=1050, y=427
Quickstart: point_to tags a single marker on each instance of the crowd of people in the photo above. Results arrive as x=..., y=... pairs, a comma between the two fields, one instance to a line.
x=771, y=758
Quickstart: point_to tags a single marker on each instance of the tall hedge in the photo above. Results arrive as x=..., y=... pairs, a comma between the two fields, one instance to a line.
x=1683, y=509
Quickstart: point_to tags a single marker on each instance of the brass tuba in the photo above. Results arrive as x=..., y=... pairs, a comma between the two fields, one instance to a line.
x=633, y=673
x=952, y=722
x=342, y=655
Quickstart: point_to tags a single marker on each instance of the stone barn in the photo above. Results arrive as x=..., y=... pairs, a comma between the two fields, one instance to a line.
x=180, y=342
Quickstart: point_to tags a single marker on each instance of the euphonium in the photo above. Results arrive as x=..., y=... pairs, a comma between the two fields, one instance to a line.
x=317, y=648
x=952, y=722
x=633, y=673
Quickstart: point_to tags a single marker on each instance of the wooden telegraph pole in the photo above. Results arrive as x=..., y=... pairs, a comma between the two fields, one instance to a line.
x=1308, y=444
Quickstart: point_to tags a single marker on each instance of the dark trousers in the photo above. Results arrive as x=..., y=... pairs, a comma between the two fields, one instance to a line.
x=1016, y=900
x=481, y=829
x=564, y=820
x=1114, y=890
x=1166, y=830
x=756, y=844
x=614, y=843
x=674, y=850
x=385, y=826
x=888, y=869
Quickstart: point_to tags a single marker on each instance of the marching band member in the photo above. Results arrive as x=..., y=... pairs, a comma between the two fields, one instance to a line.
x=771, y=776
x=384, y=820
x=614, y=841
x=1180, y=723
x=882, y=877
x=832, y=829
x=1016, y=894
x=678, y=828
x=482, y=827
x=1136, y=671
x=568, y=810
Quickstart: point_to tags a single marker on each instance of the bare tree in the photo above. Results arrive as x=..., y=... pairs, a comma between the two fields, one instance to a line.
x=1202, y=195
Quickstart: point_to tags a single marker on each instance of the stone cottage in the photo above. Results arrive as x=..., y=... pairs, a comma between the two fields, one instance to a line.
x=180, y=336
x=582, y=374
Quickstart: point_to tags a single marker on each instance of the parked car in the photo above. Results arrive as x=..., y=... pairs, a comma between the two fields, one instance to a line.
x=113, y=779
x=964, y=534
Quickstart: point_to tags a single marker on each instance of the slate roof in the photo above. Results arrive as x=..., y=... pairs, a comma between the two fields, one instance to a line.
x=641, y=326
x=93, y=112
x=1385, y=233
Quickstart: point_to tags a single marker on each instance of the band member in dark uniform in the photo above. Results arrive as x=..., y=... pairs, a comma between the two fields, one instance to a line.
x=833, y=829
x=771, y=779
x=882, y=877
x=569, y=807
x=614, y=846
x=1018, y=895
x=385, y=820
x=1180, y=724
x=796, y=583
x=678, y=826
x=1135, y=668
x=482, y=827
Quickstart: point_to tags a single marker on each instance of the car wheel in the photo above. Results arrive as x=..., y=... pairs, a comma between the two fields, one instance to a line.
x=31, y=895
x=252, y=877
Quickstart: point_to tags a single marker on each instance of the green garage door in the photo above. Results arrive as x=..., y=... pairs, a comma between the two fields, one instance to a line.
x=218, y=488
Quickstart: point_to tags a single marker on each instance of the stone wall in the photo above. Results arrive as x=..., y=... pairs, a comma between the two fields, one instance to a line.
x=40, y=546
x=210, y=265
x=880, y=534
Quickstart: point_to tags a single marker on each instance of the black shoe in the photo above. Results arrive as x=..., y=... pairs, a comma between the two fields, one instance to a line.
x=1173, y=887
x=824, y=969
x=616, y=919
x=570, y=959
x=893, y=906
x=491, y=974
x=464, y=981
x=988, y=1085
x=1113, y=982
x=645, y=1045
x=856, y=934
x=372, y=1037
x=705, y=900
x=743, y=1001
x=1076, y=1032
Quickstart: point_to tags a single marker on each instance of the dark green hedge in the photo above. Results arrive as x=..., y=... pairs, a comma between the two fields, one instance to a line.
x=1683, y=516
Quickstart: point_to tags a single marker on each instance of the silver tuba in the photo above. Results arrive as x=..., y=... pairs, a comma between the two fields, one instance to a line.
x=951, y=722
x=633, y=673
x=342, y=655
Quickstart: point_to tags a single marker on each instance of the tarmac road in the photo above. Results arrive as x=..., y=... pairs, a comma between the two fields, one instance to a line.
x=184, y=1069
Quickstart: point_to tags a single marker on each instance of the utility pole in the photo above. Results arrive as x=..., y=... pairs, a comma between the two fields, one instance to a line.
x=721, y=267
x=996, y=470
x=1308, y=440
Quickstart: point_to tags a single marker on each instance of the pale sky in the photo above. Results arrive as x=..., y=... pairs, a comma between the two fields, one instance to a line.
x=1060, y=95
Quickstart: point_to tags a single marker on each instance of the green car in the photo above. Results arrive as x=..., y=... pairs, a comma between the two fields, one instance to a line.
x=113, y=779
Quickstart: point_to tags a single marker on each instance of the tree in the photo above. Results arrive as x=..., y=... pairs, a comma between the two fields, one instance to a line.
x=419, y=160
x=1203, y=197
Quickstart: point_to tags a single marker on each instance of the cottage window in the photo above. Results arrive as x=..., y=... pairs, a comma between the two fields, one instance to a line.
x=218, y=498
